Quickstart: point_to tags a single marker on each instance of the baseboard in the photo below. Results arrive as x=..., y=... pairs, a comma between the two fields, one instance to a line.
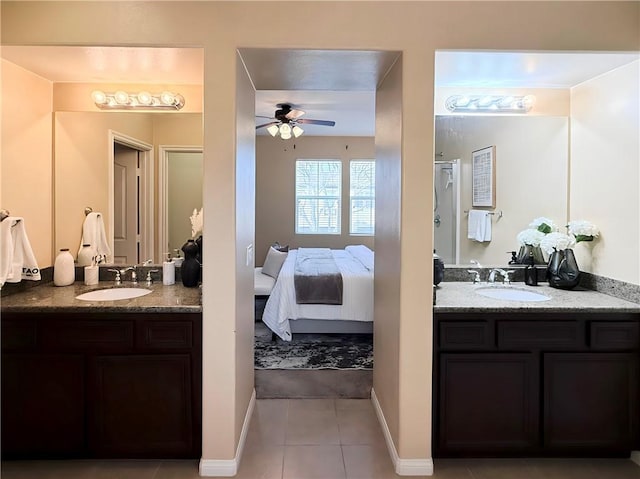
x=635, y=457
x=229, y=467
x=402, y=467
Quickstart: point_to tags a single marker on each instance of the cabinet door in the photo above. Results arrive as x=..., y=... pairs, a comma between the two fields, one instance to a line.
x=488, y=403
x=590, y=401
x=42, y=405
x=140, y=406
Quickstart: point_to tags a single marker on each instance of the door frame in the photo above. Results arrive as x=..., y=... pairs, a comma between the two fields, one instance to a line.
x=163, y=193
x=145, y=206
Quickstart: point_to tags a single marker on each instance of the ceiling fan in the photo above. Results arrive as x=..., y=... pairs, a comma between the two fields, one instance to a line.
x=286, y=120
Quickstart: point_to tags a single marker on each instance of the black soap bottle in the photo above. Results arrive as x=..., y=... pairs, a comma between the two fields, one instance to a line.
x=530, y=271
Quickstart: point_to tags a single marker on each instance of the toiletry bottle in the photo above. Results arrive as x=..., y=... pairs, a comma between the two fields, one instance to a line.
x=85, y=256
x=530, y=272
x=64, y=271
x=168, y=271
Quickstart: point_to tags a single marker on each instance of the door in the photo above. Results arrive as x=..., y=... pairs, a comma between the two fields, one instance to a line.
x=126, y=177
x=590, y=401
x=488, y=403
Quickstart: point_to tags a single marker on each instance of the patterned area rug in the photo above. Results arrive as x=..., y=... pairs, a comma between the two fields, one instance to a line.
x=313, y=351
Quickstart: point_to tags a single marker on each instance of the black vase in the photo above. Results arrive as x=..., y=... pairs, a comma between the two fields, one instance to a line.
x=562, y=270
x=190, y=270
x=527, y=252
x=199, y=244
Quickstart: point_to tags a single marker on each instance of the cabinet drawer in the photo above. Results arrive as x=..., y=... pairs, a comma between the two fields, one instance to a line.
x=614, y=335
x=523, y=335
x=465, y=335
x=83, y=335
x=165, y=335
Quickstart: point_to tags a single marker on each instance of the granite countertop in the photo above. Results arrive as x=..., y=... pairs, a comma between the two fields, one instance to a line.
x=460, y=297
x=49, y=298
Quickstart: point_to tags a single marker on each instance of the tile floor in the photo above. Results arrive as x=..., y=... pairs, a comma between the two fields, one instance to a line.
x=322, y=439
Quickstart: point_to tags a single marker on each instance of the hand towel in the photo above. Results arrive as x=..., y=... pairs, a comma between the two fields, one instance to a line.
x=479, y=226
x=17, y=261
x=93, y=233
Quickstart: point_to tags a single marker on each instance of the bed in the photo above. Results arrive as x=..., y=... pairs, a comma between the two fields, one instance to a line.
x=284, y=316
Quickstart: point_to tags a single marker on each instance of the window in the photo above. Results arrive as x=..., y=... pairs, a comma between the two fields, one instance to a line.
x=362, y=197
x=318, y=193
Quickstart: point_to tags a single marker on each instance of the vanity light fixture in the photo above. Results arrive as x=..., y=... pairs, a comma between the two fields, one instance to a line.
x=490, y=103
x=121, y=100
x=285, y=131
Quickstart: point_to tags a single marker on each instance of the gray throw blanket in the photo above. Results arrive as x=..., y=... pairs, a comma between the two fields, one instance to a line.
x=317, y=279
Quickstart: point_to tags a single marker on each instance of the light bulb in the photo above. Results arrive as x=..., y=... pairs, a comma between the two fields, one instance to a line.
x=285, y=129
x=167, y=98
x=145, y=98
x=99, y=97
x=273, y=130
x=121, y=97
x=297, y=131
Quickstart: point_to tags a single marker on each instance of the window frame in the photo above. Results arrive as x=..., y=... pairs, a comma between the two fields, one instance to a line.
x=318, y=198
x=371, y=198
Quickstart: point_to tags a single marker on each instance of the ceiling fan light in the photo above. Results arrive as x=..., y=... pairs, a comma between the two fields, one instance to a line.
x=273, y=130
x=285, y=136
x=297, y=131
x=285, y=129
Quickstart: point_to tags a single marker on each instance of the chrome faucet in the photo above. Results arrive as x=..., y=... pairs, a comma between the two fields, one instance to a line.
x=134, y=275
x=476, y=275
x=506, y=275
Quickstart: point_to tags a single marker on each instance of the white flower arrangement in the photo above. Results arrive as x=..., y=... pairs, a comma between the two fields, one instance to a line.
x=545, y=225
x=583, y=230
x=557, y=241
x=196, y=223
x=530, y=236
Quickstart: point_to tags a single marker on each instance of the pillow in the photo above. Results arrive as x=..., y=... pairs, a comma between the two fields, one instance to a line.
x=277, y=246
x=274, y=262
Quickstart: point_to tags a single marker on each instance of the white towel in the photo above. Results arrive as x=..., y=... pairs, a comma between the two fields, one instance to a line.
x=17, y=261
x=479, y=226
x=93, y=233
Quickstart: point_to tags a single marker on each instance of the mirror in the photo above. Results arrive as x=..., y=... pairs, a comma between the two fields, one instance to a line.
x=84, y=156
x=532, y=161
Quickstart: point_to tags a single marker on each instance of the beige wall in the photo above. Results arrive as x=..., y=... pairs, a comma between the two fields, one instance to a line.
x=419, y=29
x=26, y=170
x=531, y=175
x=605, y=171
x=184, y=193
x=275, y=193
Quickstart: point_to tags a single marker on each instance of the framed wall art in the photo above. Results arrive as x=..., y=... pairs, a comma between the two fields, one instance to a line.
x=483, y=189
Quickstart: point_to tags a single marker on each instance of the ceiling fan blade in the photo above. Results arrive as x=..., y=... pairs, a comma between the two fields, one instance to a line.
x=316, y=122
x=267, y=124
x=262, y=116
x=293, y=114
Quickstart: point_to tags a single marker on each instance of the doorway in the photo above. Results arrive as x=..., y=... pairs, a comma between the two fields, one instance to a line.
x=131, y=199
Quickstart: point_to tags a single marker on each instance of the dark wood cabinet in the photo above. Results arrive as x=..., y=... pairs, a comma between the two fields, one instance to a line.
x=498, y=418
x=101, y=385
x=534, y=384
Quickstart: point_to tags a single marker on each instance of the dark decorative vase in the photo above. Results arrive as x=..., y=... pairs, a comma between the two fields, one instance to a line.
x=528, y=251
x=190, y=270
x=438, y=269
x=199, y=243
x=562, y=270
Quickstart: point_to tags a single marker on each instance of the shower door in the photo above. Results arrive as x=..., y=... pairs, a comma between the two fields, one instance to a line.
x=446, y=192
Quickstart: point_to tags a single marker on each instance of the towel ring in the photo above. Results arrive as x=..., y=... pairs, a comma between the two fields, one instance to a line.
x=4, y=214
x=88, y=210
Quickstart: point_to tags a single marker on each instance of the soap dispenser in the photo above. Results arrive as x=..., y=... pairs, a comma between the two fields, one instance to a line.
x=530, y=271
x=168, y=271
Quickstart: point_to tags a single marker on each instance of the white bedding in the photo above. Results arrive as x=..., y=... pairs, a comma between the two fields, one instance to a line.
x=357, y=297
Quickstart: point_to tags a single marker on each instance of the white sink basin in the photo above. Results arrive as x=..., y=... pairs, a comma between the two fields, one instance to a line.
x=511, y=294
x=113, y=294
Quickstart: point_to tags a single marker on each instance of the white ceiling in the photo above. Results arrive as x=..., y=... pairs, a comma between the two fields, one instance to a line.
x=327, y=85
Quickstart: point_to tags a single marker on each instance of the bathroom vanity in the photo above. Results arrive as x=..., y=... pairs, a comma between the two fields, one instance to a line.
x=550, y=378
x=101, y=379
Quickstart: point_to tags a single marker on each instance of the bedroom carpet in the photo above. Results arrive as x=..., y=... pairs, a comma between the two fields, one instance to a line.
x=313, y=366
x=313, y=351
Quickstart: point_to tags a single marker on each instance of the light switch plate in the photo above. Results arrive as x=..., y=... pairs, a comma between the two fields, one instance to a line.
x=250, y=255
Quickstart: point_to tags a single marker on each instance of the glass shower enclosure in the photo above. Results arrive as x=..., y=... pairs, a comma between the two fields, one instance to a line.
x=446, y=210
